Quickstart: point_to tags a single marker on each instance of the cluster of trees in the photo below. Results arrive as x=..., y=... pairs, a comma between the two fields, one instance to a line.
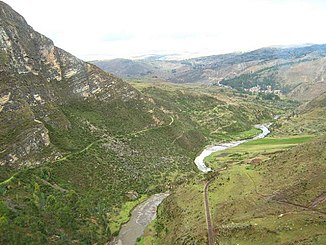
x=268, y=96
x=250, y=80
x=46, y=216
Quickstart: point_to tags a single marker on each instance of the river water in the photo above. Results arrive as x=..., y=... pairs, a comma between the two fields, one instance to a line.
x=145, y=212
x=140, y=218
x=199, y=161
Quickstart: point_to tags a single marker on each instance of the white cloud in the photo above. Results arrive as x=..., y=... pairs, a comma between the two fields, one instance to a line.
x=124, y=28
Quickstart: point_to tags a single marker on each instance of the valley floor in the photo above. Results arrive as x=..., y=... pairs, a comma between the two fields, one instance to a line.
x=257, y=196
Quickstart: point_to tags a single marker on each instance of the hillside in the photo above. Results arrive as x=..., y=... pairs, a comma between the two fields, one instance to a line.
x=79, y=147
x=297, y=72
x=309, y=118
x=270, y=190
x=74, y=141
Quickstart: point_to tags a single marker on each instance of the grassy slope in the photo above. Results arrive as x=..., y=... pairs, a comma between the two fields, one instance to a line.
x=254, y=202
x=108, y=151
x=307, y=119
x=222, y=115
x=264, y=191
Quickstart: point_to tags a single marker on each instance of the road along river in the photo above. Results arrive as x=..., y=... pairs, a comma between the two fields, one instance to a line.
x=140, y=218
x=199, y=161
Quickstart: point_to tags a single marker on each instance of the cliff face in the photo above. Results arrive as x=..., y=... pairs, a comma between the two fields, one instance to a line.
x=35, y=79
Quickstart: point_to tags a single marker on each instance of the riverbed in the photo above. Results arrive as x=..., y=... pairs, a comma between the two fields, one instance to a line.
x=140, y=218
x=199, y=161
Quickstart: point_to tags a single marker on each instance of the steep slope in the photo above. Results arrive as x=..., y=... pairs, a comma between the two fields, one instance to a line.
x=309, y=118
x=36, y=79
x=87, y=137
x=78, y=145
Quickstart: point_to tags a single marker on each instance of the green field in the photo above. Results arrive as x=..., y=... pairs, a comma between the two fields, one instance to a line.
x=259, y=195
x=259, y=149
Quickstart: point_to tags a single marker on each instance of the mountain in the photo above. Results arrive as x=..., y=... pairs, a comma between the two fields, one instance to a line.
x=298, y=72
x=36, y=79
x=148, y=69
x=74, y=140
x=125, y=68
x=79, y=147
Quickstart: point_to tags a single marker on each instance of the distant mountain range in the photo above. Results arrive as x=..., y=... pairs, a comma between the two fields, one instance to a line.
x=298, y=72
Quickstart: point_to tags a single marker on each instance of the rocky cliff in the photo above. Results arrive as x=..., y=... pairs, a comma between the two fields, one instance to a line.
x=36, y=78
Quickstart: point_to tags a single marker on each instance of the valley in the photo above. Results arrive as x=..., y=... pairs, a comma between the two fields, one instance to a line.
x=86, y=155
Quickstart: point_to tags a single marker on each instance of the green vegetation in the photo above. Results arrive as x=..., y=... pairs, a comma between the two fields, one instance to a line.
x=265, y=192
x=107, y=150
x=307, y=119
x=80, y=148
x=249, y=80
x=222, y=115
x=268, y=96
x=149, y=235
x=262, y=148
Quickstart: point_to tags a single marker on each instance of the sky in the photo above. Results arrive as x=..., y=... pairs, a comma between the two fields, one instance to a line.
x=105, y=29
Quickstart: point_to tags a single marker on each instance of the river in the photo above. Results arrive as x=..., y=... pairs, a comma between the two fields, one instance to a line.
x=140, y=218
x=199, y=161
x=145, y=212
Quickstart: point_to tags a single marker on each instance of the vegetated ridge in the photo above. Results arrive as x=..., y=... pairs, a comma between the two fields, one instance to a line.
x=80, y=147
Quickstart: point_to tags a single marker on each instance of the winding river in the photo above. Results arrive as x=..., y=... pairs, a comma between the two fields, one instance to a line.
x=145, y=212
x=199, y=161
x=140, y=218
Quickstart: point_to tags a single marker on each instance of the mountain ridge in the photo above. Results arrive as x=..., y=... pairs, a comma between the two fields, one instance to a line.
x=37, y=77
x=296, y=72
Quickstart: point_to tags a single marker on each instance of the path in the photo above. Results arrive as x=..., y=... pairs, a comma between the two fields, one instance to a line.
x=210, y=227
x=312, y=207
x=99, y=140
x=199, y=161
x=6, y=181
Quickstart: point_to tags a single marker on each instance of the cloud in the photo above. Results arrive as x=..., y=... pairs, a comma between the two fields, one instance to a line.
x=125, y=28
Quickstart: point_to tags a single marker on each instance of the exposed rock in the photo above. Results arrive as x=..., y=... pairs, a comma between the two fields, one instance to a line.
x=132, y=195
x=36, y=78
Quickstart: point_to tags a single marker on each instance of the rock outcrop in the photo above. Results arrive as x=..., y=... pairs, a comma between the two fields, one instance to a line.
x=35, y=78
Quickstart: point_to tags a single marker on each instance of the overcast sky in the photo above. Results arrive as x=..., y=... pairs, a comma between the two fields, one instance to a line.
x=97, y=29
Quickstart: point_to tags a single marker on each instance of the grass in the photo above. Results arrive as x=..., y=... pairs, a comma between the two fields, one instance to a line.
x=112, y=148
x=243, y=216
x=257, y=202
x=257, y=148
x=7, y=181
x=149, y=235
x=188, y=206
